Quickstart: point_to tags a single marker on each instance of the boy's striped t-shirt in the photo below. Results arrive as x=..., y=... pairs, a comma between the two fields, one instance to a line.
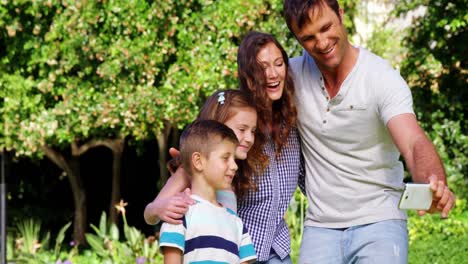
x=210, y=234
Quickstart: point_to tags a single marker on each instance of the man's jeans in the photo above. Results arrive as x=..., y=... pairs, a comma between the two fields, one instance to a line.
x=276, y=260
x=382, y=242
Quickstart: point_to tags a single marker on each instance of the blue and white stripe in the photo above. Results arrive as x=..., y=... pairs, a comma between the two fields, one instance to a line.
x=209, y=234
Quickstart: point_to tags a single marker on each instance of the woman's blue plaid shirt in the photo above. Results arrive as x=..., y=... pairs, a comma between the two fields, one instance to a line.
x=263, y=211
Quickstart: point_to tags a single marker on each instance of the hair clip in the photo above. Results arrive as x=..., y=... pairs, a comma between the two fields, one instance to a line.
x=221, y=98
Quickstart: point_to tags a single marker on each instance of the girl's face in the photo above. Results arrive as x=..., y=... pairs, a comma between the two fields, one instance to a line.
x=243, y=123
x=271, y=59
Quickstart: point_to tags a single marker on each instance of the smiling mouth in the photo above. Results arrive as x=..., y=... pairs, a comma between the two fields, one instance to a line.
x=273, y=85
x=244, y=147
x=328, y=51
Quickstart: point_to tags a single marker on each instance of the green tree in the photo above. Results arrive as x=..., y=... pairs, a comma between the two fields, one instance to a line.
x=77, y=75
x=436, y=70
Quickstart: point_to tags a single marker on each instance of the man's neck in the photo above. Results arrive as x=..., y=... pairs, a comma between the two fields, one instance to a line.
x=333, y=78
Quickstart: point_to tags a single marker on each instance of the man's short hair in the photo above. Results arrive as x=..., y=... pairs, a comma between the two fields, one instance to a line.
x=297, y=11
x=202, y=136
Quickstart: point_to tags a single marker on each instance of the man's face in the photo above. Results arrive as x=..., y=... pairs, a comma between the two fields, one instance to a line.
x=323, y=37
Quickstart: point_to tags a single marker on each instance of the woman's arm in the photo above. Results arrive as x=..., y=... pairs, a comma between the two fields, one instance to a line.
x=171, y=203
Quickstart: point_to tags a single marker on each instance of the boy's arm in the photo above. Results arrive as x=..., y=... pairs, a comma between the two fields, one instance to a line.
x=247, y=252
x=172, y=242
x=170, y=204
x=172, y=255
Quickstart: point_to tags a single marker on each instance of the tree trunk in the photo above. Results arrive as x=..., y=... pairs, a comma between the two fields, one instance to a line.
x=79, y=199
x=72, y=169
x=117, y=151
x=162, y=149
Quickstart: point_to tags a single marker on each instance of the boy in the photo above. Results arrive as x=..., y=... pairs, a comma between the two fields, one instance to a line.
x=209, y=232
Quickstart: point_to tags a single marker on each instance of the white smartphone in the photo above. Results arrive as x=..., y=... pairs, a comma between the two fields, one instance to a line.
x=416, y=196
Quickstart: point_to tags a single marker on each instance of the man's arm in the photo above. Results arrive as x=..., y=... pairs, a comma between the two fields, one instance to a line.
x=170, y=204
x=422, y=160
x=172, y=255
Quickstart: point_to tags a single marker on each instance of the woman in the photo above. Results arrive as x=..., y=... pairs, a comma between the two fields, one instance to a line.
x=263, y=73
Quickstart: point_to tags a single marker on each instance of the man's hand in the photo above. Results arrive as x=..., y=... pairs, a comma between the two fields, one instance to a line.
x=172, y=209
x=443, y=199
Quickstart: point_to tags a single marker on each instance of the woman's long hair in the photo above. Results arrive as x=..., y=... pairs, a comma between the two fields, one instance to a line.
x=280, y=116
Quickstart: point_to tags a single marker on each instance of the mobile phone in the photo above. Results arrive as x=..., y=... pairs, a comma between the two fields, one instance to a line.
x=416, y=196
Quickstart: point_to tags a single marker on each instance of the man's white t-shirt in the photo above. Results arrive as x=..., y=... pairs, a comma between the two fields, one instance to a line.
x=353, y=172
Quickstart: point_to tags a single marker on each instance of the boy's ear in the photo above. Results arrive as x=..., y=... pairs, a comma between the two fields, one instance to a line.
x=197, y=161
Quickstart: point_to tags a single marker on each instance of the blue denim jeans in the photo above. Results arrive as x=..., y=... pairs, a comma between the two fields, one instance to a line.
x=382, y=242
x=276, y=260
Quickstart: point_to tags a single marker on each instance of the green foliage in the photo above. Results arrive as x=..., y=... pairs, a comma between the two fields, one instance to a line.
x=456, y=226
x=436, y=69
x=74, y=71
x=109, y=249
x=433, y=240
x=385, y=42
x=295, y=220
x=106, y=247
x=60, y=238
x=29, y=242
x=30, y=246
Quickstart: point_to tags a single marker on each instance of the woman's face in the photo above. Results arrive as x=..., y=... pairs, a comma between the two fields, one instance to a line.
x=271, y=59
x=243, y=123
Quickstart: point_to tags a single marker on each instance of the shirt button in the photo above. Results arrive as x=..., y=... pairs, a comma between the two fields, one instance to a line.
x=324, y=121
x=328, y=98
x=351, y=107
x=328, y=109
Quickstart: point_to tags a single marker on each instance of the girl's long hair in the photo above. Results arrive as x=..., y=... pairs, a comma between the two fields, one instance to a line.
x=275, y=118
x=234, y=101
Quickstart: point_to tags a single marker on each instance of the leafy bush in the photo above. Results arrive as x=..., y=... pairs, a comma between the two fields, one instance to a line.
x=434, y=240
x=26, y=245
x=30, y=247
x=109, y=249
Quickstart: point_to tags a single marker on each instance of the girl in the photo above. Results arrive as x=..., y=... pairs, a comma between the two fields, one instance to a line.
x=236, y=110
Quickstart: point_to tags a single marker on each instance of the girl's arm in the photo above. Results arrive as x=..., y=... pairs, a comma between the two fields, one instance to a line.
x=171, y=203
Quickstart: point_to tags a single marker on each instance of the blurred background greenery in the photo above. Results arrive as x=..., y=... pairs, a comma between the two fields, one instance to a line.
x=92, y=94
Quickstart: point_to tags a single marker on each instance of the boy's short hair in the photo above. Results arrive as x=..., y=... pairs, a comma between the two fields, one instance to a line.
x=201, y=136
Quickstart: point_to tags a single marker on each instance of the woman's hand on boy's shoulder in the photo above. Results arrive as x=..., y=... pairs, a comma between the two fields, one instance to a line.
x=174, y=152
x=172, y=209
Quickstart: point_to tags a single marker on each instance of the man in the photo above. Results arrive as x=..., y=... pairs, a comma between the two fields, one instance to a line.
x=355, y=116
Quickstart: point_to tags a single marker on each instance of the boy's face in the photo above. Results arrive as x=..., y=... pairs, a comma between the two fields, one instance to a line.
x=220, y=166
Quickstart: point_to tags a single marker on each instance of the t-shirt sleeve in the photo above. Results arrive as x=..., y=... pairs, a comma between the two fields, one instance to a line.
x=246, y=250
x=394, y=96
x=172, y=236
x=228, y=199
